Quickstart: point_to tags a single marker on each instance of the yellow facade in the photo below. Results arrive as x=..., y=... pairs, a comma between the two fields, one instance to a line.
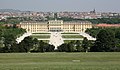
x=56, y=26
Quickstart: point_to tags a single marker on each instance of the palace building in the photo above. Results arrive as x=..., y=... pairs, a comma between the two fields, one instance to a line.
x=56, y=26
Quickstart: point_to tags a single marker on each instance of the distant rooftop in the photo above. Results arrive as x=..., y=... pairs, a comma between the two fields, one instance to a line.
x=108, y=25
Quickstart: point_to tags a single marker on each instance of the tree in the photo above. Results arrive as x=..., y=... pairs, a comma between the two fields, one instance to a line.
x=55, y=15
x=85, y=44
x=41, y=47
x=35, y=44
x=63, y=48
x=48, y=48
x=93, y=31
x=71, y=47
x=105, y=41
x=9, y=42
x=0, y=34
x=27, y=44
x=117, y=34
x=44, y=47
x=79, y=48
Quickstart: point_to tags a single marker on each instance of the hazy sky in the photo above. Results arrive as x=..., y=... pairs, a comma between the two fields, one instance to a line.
x=62, y=5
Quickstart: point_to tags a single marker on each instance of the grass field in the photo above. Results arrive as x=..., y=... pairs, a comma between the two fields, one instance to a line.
x=69, y=33
x=40, y=33
x=41, y=36
x=46, y=41
x=60, y=61
x=68, y=41
x=72, y=36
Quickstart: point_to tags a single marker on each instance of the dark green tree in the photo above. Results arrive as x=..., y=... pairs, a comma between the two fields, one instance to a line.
x=105, y=41
x=27, y=44
x=55, y=15
x=71, y=47
x=85, y=44
x=9, y=42
x=45, y=47
x=41, y=47
x=78, y=45
x=35, y=44
x=63, y=48
x=117, y=34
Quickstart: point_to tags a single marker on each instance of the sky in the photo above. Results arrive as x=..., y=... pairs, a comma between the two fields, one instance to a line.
x=62, y=5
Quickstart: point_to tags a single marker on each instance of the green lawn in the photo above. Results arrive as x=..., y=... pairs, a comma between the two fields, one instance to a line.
x=69, y=33
x=68, y=41
x=72, y=36
x=60, y=61
x=46, y=41
x=41, y=36
x=40, y=33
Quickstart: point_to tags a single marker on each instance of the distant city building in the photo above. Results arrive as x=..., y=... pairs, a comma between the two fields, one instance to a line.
x=75, y=15
x=56, y=26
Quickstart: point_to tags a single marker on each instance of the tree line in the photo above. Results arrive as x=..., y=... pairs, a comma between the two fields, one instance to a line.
x=108, y=39
x=27, y=45
x=76, y=46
